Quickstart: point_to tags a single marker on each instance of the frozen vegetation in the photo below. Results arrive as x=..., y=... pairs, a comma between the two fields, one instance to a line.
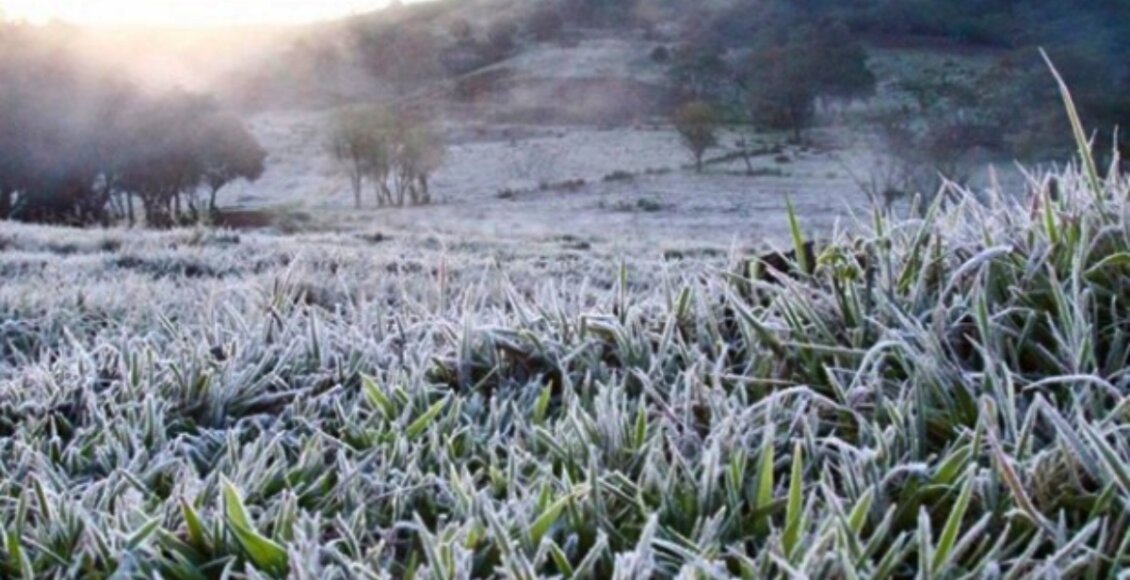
x=581, y=289
x=943, y=395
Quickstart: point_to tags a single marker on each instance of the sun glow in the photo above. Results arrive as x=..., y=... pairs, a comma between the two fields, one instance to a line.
x=188, y=13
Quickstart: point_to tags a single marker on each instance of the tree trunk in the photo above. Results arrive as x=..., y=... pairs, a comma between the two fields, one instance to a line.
x=213, y=210
x=426, y=190
x=746, y=157
x=385, y=193
x=5, y=203
x=356, y=182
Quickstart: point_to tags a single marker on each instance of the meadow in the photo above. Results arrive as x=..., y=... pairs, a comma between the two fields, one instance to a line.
x=937, y=397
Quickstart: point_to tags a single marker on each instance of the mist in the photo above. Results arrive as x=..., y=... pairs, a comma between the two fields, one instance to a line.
x=565, y=289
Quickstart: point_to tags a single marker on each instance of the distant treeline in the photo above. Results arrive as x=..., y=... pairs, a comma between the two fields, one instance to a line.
x=79, y=145
x=1087, y=39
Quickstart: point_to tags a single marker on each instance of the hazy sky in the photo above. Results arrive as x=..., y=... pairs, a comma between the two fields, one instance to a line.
x=183, y=12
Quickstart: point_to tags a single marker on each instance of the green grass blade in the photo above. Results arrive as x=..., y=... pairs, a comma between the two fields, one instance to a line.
x=265, y=553
x=794, y=510
x=952, y=528
x=421, y=424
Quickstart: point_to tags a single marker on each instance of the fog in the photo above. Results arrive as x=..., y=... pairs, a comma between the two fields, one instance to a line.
x=785, y=97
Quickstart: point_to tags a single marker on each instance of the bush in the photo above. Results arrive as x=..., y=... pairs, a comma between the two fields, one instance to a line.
x=619, y=175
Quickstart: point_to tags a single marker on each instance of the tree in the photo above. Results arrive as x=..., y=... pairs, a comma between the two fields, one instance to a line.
x=420, y=154
x=698, y=71
x=601, y=13
x=394, y=152
x=400, y=53
x=164, y=166
x=461, y=30
x=351, y=144
x=696, y=123
x=500, y=40
x=931, y=135
x=79, y=145
x=228, y=153
x=545, y=24
x=786, y=78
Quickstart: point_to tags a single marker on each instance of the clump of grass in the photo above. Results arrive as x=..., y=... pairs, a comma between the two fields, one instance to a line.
x=566, y=186
x=619, y=176
x=642, y=204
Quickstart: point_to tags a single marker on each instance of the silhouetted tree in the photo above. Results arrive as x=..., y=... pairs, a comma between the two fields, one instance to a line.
x=229, y=153
x=78, y=145
x=697, y=123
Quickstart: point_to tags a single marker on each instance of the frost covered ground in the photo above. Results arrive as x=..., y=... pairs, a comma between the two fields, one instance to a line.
x=947, y=394
x=508, y=182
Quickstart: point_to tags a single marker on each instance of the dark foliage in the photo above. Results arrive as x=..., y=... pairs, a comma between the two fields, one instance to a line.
x=1085, y=37
x=80, y=146
x=600, y=13
x=785, y=77
x=545, y=24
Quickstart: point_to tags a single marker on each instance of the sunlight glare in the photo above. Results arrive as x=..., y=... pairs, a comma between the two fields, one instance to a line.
x=189, y=13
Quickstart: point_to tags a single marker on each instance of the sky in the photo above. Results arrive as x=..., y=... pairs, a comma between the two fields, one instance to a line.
x=183, y=12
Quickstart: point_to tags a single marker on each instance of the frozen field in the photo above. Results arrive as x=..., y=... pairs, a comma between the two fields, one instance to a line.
x=508, y=182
